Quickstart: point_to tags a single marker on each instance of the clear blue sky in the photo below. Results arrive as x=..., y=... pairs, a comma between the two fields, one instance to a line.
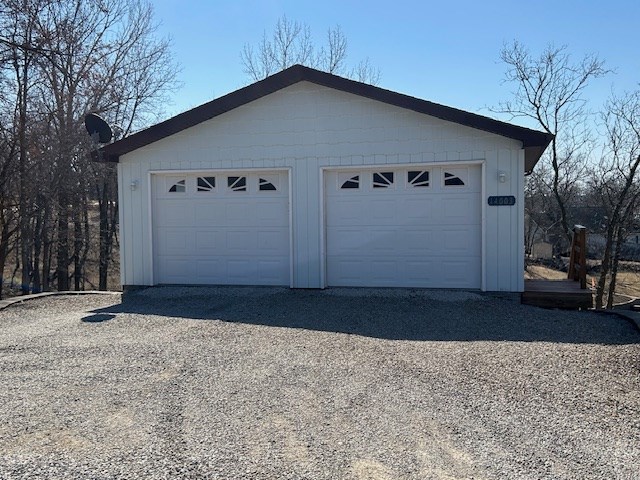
x=446, y=52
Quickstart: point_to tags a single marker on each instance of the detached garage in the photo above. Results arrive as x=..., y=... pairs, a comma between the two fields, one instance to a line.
x=310, y=180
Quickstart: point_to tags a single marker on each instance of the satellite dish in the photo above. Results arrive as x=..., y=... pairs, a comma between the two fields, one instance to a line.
x=98, y=128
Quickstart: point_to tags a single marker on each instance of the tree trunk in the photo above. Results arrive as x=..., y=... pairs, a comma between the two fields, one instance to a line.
x=5, y=236
x=25, y=244
x=62, y=267
x=37, y=247
x=103, y=263
x=108, y=208
x=614, y=267
x=46, y=253
x=77, y=248
x=86, y=240
x=604, y=267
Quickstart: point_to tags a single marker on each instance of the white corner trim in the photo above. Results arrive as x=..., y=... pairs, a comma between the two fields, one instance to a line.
x=150, y=227
x=483, y=196
x=121, y=226
x=322, y=228
x=291, y=238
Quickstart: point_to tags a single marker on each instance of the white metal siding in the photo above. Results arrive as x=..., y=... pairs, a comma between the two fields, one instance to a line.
x=307, y=127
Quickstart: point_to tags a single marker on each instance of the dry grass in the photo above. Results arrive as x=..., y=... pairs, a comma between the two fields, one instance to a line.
x=629, y=284
x=539, y=272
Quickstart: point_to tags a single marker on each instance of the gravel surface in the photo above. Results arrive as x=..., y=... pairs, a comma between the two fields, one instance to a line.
x=264, y=383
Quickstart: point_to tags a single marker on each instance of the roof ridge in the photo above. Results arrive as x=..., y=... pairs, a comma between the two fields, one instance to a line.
x=534, y=142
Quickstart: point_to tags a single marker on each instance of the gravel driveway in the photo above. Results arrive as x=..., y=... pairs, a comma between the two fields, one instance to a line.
x=274, y=383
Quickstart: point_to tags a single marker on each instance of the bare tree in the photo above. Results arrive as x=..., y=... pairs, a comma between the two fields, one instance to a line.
x=65, y=58
x=9, y=202
x=540, y=215
x=366, y=73
x=291, y=43
x=616, y=185
x=115, y=68
x=332, y=58
x=21, y=47
x=549, y=89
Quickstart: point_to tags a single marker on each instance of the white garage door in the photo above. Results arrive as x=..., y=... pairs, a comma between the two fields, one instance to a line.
x=404, y=227
x=221, y=228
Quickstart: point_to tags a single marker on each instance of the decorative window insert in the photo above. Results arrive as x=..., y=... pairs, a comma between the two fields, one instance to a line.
x=264, y=185
x=418, y=178
x=351, y=182
x=237, y=184
x=206, y=184
x=451, y=180
x=179, y=187
x=382, y=179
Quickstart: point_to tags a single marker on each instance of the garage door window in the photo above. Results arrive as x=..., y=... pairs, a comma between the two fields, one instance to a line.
x=206, y=184
x=264, y=185
x=418, y=178
x=351, y=183
x=237, y=184
x=178, y=187
x=383, y=180
x=451, y=180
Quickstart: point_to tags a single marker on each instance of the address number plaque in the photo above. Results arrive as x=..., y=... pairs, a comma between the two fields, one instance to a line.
x=502, y=200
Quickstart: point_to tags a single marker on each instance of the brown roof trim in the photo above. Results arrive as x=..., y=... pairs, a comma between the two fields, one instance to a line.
x=534, y=142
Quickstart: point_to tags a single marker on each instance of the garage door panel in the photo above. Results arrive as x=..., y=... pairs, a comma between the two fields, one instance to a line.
x=210, y=271
x=221, y=236
x=417, y=209
x=241, y=271
x=239, y=242
x=207, y=241
x=175, y=241
x=273, y=241
x=205, y=214
x=418, y=241
x=459, y=273
x=459, y=241
x=272, y=213
x=384, y=210
x=456, y=210
x=177, y=270
x=346, y=270
x=405, y=235
x=381, y=240
x=174, y=214
x=417, y=272
x=384, y=272
x=237, y=212
x=272, y=271
x=347, y=211
x=346, y=239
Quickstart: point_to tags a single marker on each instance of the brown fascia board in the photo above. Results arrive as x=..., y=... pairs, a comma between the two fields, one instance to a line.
x=534, y=142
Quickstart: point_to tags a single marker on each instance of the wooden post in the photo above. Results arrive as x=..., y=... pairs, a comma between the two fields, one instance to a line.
x=578, y=258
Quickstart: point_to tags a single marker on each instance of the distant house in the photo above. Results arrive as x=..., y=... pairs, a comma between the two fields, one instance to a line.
x=310, y=180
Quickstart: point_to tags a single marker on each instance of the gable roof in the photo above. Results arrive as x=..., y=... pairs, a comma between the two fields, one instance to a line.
x=534, y=142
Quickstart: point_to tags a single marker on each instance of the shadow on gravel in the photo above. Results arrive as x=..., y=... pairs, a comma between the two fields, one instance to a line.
x=98, y=318
x=405, y=316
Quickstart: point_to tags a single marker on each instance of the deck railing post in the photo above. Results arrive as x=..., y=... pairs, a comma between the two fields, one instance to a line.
x=582, y=233
x=578, y=257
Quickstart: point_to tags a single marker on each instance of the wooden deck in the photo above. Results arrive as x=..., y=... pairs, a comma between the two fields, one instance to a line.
x=556, y=294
